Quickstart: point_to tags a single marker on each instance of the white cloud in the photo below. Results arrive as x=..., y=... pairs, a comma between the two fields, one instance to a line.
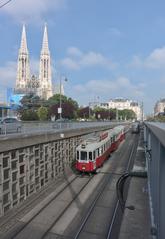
x=70, y=64
x=122, y=87
x=78, y=60
x=32, y=10
x=74, y=51
x=155, y=60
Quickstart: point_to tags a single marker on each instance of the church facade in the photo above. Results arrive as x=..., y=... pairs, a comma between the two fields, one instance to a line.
x=27, y=83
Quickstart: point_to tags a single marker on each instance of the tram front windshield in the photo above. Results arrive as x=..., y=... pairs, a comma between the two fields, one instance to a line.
x=83, y=155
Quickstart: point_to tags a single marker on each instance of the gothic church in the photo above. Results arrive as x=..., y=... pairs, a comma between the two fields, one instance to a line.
x=25, y=84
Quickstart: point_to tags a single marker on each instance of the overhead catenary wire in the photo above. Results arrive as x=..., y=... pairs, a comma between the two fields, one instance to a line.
x=4, y=4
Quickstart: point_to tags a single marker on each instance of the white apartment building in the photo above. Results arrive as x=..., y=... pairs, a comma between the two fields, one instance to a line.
x=159, y=107
x=121, y=104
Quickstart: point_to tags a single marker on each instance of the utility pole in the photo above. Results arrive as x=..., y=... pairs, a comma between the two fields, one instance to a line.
x=89, y=113
x=117, y=117
x=142, y=111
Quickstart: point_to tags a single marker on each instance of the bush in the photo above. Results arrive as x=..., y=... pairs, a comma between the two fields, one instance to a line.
x=42, y=113
x=29, y=115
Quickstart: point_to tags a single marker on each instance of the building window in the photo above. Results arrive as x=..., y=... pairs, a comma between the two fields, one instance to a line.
x=13, y=154
x=22, y=190
x=5, y=198
x=22, y=170
x=6, y=174
x=5, y=186
x=14, y=188
x=5, y=162
x=14, y=165
x=21, y=158
x=14, y=176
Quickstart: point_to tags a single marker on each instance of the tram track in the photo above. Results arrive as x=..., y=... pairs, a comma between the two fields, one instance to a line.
x=21, y=231
x=116, y=208
x=26, y=207
x=107, y=177
x=19, y=214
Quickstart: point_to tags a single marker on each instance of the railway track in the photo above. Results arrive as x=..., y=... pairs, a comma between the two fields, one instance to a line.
x=30, y=227
x=9, y=220
x=116, y=212
x=23, y=231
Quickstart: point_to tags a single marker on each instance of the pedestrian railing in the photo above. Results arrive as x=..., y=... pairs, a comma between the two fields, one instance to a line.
x=154, y=136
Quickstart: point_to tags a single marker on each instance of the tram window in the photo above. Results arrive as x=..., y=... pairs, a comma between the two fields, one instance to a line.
x=97, y=152
x=83, y=155
x=77, y=155
x=90, y=155
x=94, y=155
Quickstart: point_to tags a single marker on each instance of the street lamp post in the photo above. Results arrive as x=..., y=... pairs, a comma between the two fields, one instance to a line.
x=60, y=108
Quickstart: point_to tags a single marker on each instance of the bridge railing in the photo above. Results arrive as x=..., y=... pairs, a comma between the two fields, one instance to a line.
x=154, y=136
x=34, y=127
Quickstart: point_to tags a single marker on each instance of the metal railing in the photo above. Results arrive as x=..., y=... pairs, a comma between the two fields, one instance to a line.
x=36, y=127
x=154, y=136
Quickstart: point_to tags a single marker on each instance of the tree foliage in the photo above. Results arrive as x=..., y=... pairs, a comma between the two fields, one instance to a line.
x=42, y=113
x=31, y=101
x=29, y=115
x=84, y=112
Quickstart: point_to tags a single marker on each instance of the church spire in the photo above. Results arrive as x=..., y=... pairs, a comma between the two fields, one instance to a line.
x=45, y=76
x=23, y=66
x=23, y=48
x=45, y=47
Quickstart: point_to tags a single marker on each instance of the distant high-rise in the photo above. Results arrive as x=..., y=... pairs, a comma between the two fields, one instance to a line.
x=45, y=76
x=25, y=83
x=23, y=67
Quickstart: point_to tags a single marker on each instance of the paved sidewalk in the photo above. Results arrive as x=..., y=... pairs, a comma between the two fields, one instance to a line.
x=136, y=223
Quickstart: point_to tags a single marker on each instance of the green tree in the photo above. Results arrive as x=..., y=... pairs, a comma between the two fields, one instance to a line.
x=126, y=114
x=69, y=106
x=42, y=113
x=29, y=115
x=55, y=99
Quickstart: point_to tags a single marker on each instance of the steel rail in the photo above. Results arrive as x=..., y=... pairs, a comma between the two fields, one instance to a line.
x=65, y=209
x=98, y=196
x=20, y=210
x=116, y=208
x=31, y=219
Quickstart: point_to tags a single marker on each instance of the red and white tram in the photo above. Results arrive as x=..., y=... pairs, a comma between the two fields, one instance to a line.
x=92, y=153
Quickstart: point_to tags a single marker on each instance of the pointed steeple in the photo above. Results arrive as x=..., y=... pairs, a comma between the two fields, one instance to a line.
x=45, y=75
x=45, y=47
x=23, y=47
x=23, y=66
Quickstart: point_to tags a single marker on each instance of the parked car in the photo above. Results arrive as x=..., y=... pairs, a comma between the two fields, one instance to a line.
x=9, y=124
x=61, y=123
x=62, y=120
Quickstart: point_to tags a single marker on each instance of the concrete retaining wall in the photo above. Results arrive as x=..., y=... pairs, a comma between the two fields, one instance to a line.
x=29, y=162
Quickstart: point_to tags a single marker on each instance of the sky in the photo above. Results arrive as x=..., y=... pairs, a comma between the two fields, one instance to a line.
x=106, y=49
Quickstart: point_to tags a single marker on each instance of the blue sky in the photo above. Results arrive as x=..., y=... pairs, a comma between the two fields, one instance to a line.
x=108, y=48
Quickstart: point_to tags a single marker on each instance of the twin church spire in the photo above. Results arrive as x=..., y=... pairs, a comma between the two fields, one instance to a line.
x=41, y=86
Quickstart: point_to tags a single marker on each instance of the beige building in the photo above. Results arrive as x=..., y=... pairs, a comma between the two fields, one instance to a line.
x=159, y=107
x=121, y=104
